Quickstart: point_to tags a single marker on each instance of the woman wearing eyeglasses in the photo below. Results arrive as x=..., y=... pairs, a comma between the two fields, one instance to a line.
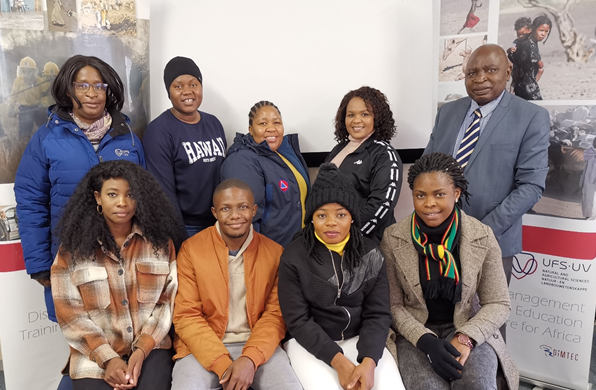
x=84, y=127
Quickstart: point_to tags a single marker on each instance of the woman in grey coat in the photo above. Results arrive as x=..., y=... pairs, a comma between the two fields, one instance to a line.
x=437, y=261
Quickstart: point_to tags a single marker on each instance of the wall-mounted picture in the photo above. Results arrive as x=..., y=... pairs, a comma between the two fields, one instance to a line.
x=62, y=15
x=571, y=182
x=21, y=14
x=464, y=17
x=551, y=46
x=108, y=17
x=454, y=54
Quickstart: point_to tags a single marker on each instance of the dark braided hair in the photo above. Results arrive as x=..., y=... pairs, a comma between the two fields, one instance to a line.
x=353, y=251
x=444, y=163
x=254, y=109
x=377, y=103
x=81, y=226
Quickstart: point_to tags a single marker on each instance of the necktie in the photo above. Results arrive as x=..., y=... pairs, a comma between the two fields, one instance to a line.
x=469, y=142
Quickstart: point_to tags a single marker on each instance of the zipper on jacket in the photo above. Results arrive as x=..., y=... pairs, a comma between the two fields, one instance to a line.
x=348, y=325
x=339, y=287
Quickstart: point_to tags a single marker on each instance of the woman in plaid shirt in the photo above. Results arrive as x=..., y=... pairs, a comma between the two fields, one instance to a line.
x=114, y=279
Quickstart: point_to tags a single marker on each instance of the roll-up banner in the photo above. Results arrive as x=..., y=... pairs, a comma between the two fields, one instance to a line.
x=552, y=291
x=33, y=348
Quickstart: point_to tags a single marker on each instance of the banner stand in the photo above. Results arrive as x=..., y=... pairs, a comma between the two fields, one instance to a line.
x=546, y=385
x=550, y=330
x=29, y=339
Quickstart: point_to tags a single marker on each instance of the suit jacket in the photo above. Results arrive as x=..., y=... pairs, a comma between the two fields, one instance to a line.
x=481, y=273
x=507, y=170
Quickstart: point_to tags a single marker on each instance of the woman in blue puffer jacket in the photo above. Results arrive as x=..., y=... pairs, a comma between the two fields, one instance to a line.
x=84, y=128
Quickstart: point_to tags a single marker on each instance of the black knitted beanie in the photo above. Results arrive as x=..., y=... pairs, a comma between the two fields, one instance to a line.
x=177, y=67
x=331, y=186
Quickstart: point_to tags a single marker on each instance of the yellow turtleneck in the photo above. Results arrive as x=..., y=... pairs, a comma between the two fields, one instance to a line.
x=339, y=247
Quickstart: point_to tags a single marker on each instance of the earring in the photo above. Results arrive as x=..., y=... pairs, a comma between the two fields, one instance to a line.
x=99, y=209
x=456, y=200
x=352, y=221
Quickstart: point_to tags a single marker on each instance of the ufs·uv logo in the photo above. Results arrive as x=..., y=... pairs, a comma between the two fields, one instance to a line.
x=524, y=264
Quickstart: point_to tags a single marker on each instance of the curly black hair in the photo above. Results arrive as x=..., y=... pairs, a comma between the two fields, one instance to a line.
x=377, y=103
x=82, y=226
x=353, y=251
x=440, y=162
x=254, y=109
x=524, y=21
x=63, y=89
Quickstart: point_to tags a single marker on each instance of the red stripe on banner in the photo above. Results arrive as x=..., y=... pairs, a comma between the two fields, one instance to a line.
x=11, y=257
x=562, y=243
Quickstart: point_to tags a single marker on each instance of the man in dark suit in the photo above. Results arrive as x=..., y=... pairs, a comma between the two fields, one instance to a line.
x=502, y=143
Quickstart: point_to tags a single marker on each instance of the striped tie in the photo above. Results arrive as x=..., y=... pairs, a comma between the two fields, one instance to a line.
x=469, y=142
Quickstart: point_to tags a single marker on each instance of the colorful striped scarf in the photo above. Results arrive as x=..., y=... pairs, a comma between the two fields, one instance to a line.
x=445, y=283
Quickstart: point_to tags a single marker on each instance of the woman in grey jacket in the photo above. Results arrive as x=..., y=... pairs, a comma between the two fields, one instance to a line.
x=437, y=261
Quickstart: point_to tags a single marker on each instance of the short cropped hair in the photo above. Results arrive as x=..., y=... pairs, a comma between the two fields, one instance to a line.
x=232, y=183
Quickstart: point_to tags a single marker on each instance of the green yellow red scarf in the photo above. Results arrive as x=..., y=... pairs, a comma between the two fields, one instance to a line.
x=441, y=253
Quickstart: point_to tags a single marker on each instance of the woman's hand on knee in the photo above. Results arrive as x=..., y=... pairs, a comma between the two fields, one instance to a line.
x=345, y=368
x=363, y=377
x=463, y=349
x=115, y=374
x=135, y=363
x=442, y=356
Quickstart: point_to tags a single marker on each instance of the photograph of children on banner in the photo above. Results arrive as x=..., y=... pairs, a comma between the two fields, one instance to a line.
x=454, y=53
x=108, y=17
x=33, y=61
x=62, y=15
x=21, y=14
x=571, y=182
x=551, y=46
x=464, y=16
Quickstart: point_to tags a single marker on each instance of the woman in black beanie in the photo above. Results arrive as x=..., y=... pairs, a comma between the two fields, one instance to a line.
x=334, y=295
x=185, y=147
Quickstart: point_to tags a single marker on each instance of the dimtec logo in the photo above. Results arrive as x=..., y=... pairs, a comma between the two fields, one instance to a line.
x=557, y=353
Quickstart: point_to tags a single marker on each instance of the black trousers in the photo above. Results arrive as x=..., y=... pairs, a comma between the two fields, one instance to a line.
x=156, y=374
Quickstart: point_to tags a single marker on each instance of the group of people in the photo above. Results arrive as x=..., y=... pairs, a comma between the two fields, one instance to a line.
x=225, y=268
x=30, y=95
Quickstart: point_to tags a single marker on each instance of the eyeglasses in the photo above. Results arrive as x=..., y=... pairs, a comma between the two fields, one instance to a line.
x=84, y=87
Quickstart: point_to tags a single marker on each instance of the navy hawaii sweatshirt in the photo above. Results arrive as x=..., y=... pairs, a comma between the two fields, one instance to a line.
x=186, y=160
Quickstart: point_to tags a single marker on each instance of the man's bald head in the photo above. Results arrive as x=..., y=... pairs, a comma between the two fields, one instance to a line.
x=487, y=73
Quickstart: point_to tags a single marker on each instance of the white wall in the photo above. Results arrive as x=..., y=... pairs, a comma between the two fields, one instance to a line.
x=303, y=56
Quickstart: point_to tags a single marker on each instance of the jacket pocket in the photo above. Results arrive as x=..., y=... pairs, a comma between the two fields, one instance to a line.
x=151, y=278
x=93, y=285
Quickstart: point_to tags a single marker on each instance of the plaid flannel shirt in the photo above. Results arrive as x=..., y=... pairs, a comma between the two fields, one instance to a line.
x=107, y=307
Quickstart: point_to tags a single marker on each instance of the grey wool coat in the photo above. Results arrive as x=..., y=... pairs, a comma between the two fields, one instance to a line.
x=481, y=273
